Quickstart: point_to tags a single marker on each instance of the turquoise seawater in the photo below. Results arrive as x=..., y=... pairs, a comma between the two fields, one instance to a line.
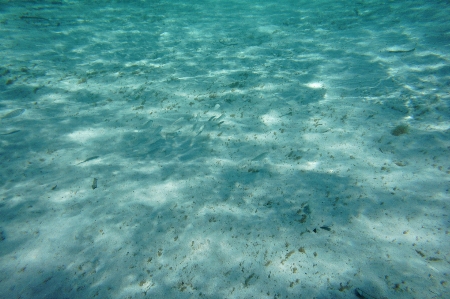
x=224, y=149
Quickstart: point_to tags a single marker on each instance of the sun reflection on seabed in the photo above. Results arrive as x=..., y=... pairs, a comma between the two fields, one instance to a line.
x=316, y=85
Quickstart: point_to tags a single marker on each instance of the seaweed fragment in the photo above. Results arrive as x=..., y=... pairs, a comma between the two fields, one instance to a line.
x=400, y=130
x=363, y=295
x=401, y=50
x=89, y=159
x=434, y=259
x=94, y=183
x=13, y=113
x=247, y=280
x=10, y=133
x=420, y=253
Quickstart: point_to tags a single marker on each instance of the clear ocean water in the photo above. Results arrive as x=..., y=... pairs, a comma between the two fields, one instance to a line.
x=224, y=149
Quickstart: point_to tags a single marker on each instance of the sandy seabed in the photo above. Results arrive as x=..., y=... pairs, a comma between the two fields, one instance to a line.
x=224, y=149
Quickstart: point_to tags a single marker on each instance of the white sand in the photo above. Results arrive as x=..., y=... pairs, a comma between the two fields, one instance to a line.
x=223, y=135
